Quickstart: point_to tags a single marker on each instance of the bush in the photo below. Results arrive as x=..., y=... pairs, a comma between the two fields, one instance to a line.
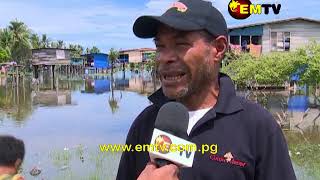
x=274, y=68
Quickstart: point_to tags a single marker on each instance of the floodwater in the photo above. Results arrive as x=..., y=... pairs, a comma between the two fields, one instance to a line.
x=63, y=122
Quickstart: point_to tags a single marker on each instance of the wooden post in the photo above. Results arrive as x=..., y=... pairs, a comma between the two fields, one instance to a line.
x=17, y=76
x=24, y=90
x=36, y=72
x=53, y=78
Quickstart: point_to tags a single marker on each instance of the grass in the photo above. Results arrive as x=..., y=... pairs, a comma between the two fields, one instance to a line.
x=305, y=153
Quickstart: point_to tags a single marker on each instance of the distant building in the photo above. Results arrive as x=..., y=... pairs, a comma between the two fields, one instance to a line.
x=55, y=59
x=135, y=55
x=97, y=60
x=277, y=35
x=77, y=61
x=51, y=56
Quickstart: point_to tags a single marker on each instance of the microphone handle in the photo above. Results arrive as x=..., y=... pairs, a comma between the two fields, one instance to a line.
x=162, y=162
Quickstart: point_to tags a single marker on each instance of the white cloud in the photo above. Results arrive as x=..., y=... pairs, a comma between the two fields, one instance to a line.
x=158, y=6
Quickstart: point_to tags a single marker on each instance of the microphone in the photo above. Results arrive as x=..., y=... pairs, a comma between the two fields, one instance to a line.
x=169, y=137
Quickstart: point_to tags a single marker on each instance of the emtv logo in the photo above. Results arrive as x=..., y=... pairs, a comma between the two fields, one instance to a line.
x=242, y=9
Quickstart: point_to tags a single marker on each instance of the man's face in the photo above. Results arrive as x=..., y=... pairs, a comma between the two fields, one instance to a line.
x=184, y=62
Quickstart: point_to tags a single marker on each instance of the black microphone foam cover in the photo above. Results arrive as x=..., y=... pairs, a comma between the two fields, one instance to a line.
x=173, y=117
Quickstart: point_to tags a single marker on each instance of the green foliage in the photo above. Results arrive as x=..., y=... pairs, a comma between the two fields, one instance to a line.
x=35, y=41
x=60, y=44
x=311, y=57
x=20, y=49
x=45, y=41
x=4, y=55
x=77, y=50
x=94, y=50
x=6, y=38
x=274, y=68
x=151, y=63
x=113, y=55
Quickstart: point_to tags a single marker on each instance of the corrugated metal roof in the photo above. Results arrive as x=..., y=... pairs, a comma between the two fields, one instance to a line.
x=275, y=21
x=139, y=49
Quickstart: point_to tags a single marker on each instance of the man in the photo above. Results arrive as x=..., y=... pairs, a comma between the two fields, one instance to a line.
x=191, y=39
x=11, y=156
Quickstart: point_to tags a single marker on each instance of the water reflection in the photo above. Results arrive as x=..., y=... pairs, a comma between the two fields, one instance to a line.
x=15, y=101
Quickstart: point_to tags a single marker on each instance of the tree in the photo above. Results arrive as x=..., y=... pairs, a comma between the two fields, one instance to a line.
x=4, y=55
x=35, y=41
x=151, y=62
x=53, y=44
x=45, y=41
x=20, y=50
x=76, y=50
x=6, y=41
x=60, y=44
x=94, y=50
x=20, y=32
x=268, y=69
x=87, y=51
x=6, y=38
x=310, y=57
x=113, y=57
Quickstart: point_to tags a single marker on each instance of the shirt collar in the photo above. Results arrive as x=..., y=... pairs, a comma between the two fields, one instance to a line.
x=227, y=102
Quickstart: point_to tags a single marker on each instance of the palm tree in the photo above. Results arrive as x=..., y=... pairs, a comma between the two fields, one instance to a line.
x=60, y=44
x=45, y=41
x=35, y=41
x=6, y=41
x=54, y=44
x=20, y=50
x=6, y=38
x=87, y=51
x=113, y=56
x=94, y=50
x=20, y=32
x=77, y=50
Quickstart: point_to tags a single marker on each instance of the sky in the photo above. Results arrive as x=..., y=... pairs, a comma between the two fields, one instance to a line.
x=108, y=23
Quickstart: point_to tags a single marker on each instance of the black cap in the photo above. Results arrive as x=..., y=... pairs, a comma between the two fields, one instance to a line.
x=184, y=15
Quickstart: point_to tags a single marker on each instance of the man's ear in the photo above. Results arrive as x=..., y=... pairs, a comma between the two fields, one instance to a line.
x=220, y=45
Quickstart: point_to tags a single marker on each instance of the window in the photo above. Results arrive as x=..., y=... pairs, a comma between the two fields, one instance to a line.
x=273, y=41
x=286, y=41
x=256, y=40
x=280, y=41
x=235, y=40
x=124, y=57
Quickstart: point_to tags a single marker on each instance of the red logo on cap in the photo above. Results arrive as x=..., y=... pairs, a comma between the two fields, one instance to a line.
x=180, y=6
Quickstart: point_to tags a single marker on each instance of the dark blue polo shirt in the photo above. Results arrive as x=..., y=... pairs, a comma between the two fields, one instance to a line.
x=251, y=145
